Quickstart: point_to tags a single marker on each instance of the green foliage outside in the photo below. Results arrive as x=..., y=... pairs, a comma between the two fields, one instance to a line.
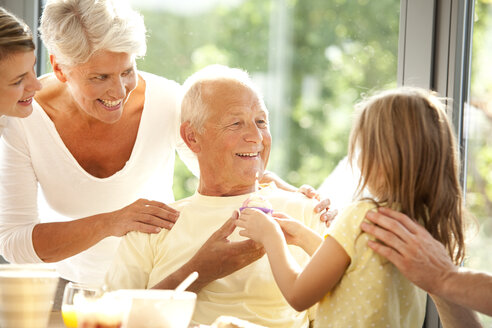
x=335, y=52
x=479, y=170
x=479, y=150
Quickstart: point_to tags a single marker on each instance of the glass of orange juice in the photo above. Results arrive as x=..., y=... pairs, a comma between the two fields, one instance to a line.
x=109, y=310
x=72, y=289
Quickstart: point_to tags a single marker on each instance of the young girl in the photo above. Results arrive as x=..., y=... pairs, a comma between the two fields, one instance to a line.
x=408, y=160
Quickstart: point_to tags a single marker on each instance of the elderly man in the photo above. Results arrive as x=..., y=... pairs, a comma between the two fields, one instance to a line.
x=225, y=123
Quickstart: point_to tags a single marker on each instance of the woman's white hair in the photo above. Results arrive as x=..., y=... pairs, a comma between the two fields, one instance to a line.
x=73, y=30
x=193, y=107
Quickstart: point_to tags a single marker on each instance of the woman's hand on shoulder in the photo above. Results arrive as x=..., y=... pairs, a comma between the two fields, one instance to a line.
x=142, y=215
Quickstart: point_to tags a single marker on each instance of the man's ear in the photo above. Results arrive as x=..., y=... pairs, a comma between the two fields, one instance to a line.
x=60, y=75
x=189, y=136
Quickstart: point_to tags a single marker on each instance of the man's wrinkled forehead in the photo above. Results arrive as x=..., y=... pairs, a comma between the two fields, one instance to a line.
x=227, y=92
x=218, y=87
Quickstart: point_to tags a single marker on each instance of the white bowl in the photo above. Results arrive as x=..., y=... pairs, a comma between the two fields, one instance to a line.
x=26, y=294
x=154, y=308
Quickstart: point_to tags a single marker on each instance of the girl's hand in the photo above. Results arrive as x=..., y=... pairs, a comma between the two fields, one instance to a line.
x=291, y=228
x=298, y=234
x=142, y=215
x=257, y=225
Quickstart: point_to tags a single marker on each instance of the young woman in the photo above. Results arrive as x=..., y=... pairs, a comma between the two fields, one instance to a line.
x=18, y=82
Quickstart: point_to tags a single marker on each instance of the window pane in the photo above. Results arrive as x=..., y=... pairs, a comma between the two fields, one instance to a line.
x=312, y=59
x=479, y=141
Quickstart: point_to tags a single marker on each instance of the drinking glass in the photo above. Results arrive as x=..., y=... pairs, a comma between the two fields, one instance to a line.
x=108, y=310
x=69, y=313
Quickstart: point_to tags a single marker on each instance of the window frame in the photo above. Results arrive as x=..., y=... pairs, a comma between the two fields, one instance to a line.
x=440, y=61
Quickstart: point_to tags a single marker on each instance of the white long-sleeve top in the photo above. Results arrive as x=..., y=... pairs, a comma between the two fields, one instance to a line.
x=33, y=154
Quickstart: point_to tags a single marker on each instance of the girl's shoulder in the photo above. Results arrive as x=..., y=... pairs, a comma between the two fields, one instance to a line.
x=363, y=205
x=356, y=211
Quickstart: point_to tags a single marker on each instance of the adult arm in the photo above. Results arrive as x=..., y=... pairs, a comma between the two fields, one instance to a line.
x=217, y=258
x=23, y=239
x=56, y=241
x=425, y=262
x=455, y=316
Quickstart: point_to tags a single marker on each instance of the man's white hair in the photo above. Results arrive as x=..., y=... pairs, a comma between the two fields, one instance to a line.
x=73, y=30
x=193, y=108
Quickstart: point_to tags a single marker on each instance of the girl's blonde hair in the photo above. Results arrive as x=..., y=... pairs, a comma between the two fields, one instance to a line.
x=15, y=35
x=408, y=150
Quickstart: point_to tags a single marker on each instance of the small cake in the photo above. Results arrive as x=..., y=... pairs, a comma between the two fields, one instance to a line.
x=258, y=202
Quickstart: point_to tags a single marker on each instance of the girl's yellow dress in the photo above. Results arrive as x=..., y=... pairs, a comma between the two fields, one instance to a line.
x=372, y=292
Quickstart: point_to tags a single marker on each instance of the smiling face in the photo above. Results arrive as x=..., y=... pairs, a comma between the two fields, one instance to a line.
x=101, y=86
x=18, y=84
x=236, y=141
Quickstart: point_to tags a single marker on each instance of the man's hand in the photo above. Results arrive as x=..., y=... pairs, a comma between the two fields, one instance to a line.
x=219, y=257
x=418, y=256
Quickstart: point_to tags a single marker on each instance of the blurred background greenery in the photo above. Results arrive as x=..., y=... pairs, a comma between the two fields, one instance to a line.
x=479, y=143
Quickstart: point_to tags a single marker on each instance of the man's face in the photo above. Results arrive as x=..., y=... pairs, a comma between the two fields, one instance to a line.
x=236, y=141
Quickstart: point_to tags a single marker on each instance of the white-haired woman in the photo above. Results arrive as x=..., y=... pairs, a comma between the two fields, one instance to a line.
x=101, y=136
x=18, y=82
